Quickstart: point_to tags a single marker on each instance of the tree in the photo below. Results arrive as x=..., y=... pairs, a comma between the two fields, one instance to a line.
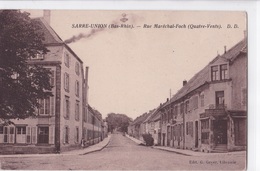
x=21, y=84
x=120, y=121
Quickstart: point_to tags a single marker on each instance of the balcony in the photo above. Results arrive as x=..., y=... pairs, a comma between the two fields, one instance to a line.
x=214, y=110
x=217, y=106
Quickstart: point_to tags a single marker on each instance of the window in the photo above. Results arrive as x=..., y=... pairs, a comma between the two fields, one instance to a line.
x=20, y=130
x=244, y=97
x=38, y=56
x=223, y=72
x=66, y=82
x=214, y=73
x=66, y=135
x=187, y=107
x=77, y=88
x=77, y=68
x=202, y=100
x=43, y=135
x=67, y=107
x=1, y=129
x=44, y=106
x=189, y=128
x=77, y=135
x=182, y=108
x=52, y=80
x=77, y=111
x=176, y=110
x=66, y=59
x=220, y=101
x=195, y=102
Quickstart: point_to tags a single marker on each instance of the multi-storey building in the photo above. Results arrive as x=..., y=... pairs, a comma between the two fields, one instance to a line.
x=209, y=112
x=92, y=128
x=59, y=124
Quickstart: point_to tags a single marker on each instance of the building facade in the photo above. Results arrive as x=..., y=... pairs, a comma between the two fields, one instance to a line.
x=92, y=127
x=209, y=112
x=62, y=120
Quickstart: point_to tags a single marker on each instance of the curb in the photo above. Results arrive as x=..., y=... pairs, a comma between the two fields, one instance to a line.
x=97, y=149
x=172, y=151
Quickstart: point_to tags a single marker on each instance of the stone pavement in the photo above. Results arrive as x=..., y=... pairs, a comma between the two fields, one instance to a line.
x=90, y=149
x=188, y=152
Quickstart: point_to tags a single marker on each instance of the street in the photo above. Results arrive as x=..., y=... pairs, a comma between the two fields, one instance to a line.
x=124, y=154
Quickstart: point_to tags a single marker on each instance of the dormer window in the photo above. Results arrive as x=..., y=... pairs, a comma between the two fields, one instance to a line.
x=214, y=73
x=223, y=72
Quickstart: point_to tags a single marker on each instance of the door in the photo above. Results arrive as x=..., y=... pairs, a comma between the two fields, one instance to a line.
x=220, y=131
x=196, y=134
x=163, y=139
x=20, y=134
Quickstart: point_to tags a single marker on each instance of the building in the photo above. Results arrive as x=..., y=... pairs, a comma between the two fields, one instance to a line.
x=154, y=123
x=61, y=123
x=209, y=112
x=137, y=127
x=92, y=127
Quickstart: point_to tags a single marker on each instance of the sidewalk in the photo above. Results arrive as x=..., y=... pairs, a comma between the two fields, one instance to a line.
x=90, y=149
x=188, y=152
x=135, y=140
x=196, y=153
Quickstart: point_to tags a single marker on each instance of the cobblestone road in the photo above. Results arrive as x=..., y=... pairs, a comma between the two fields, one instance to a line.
x=123, y=154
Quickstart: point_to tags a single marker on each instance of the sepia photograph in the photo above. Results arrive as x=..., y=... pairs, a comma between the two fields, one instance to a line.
x=123, y=89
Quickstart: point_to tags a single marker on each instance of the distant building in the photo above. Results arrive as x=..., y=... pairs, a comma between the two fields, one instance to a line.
x=209, y=113
x=93, y=126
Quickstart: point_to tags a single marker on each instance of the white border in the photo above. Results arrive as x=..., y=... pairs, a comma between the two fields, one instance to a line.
x=253, y=35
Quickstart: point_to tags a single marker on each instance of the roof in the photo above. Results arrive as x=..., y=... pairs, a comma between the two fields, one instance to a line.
x=52, y=38
x=156, y=115
x=203, y=76
x=140, y=119
x=95, y=112
x=151, y=112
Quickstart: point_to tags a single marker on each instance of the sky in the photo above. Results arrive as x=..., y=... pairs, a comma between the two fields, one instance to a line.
x=133, y=70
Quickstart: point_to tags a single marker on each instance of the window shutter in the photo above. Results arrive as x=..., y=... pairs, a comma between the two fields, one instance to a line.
x=64, y=135
x=51, y=134
x=34, y=135
x=52, y=105
x=28, y=135
x=69, y=110
x=64, y=108
x=75, y=136
x=65, y=81
x=68, y=83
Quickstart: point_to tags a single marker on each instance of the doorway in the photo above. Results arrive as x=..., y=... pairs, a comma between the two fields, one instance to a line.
x=196, y=134
x=220, y=131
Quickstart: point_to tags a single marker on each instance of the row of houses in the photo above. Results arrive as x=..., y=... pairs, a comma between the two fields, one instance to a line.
x=65, y=120
x=209, y=113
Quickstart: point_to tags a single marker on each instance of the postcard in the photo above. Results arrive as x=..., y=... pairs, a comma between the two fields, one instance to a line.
x=123, y=90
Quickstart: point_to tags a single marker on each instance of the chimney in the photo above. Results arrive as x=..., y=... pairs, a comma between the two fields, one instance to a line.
x=225, y=49
x=184, y=82
x=86, y=85
x=47, y=16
